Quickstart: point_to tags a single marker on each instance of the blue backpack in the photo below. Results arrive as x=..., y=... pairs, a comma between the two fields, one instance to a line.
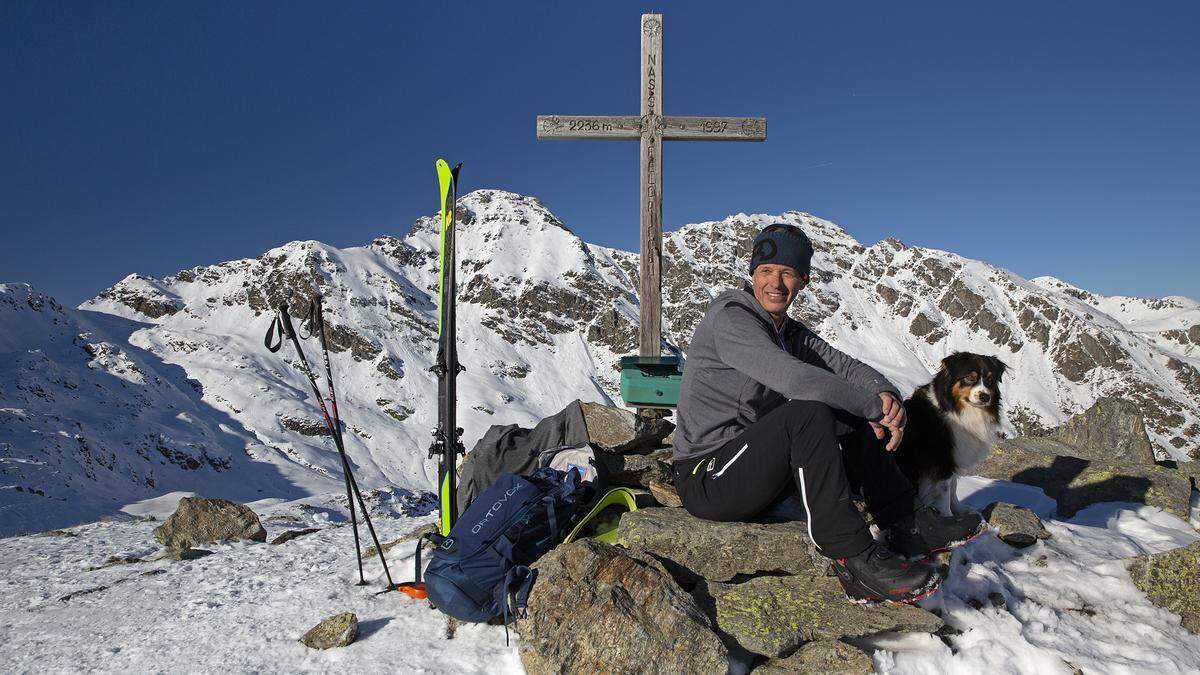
x=481, y=570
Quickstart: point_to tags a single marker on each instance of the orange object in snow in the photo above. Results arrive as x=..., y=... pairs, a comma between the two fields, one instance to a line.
x=416, y=591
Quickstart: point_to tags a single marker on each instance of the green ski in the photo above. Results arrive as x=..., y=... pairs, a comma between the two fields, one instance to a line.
x=446, y=443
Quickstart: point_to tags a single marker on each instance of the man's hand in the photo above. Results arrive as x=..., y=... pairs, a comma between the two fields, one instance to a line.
x=894, y=419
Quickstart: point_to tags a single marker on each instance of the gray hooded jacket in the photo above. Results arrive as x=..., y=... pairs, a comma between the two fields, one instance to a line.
x=739, y=368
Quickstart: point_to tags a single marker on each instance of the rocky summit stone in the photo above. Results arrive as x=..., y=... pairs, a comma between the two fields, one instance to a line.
x=198, y=520
x=1171, y=580
x=1015, y=525
x=594, y=608
x=338, y=630
x=1076, y=482
x=693, y=548
x=773, y=615
x=828, y=657
x=1111, y=430
x=621, y=431
x=634, y=470
x=665, y=494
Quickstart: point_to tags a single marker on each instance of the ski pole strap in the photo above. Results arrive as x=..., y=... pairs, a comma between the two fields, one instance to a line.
x=274, y=339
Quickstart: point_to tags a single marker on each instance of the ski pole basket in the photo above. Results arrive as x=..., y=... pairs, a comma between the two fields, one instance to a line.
x=650, y=381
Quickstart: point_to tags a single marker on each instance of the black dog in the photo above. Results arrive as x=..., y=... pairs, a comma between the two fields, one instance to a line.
x=952, y=422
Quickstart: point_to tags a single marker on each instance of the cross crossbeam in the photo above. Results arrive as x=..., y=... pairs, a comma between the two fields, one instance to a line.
x=629, y=128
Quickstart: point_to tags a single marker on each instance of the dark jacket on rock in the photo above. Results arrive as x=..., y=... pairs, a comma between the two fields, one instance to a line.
x=740, y=367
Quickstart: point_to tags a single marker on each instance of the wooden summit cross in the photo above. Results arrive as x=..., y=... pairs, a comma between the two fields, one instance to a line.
x=652, y=128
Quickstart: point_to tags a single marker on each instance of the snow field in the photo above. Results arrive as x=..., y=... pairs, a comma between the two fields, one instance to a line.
x=1061, y=604
x=1065, y=603
x=240, y=610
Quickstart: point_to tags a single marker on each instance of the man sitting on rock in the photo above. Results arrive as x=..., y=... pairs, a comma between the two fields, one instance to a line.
x=766, y=406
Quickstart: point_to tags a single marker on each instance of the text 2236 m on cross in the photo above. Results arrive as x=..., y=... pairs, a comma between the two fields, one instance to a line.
x=651, y=128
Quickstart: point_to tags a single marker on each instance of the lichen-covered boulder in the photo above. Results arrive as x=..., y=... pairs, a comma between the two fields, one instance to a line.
x=1015, y=525
x=595, y=608
x=773, y=615
x=198, y=520
x=620, y=431
x=1075, y=482
x=338, y=630
x=693, y=548
x=828, y=657
x=1171, y=580
x=1112, y=430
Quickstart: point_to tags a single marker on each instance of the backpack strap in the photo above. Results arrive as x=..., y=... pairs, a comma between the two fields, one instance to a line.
x=513, y=594
x=502, y=548
x=549, y=501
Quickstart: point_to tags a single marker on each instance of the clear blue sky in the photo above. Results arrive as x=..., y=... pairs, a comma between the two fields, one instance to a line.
x=1045, y=137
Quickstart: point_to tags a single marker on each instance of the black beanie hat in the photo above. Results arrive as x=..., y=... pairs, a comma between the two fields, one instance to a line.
x=781, y=244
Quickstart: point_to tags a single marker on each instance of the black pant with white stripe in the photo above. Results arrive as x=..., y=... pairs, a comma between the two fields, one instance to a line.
x=796, y=448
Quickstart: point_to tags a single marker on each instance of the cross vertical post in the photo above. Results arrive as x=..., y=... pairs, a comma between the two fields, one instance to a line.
x=651, y=128
x=650, y=333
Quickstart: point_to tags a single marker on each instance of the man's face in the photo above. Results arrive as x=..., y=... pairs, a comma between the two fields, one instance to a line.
x=776, y=286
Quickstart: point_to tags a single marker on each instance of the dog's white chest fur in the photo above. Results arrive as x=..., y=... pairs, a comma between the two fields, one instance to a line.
x=974, y=432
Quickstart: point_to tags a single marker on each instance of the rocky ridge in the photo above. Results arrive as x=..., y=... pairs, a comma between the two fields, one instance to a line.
x=544, y=316
x=532, y=284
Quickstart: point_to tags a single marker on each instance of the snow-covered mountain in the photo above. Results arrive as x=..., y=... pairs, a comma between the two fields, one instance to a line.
x=163, y=384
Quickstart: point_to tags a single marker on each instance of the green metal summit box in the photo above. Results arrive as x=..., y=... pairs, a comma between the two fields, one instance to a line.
x=650, y=381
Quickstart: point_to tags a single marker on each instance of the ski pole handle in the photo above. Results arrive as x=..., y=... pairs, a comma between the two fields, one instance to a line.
x=286, y=319
x=317, y=320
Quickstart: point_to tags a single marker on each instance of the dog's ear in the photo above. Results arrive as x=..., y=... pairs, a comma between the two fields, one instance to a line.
x=998, y=367
x=946, y=362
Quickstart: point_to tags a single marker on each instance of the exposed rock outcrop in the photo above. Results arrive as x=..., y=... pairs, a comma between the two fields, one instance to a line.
x=1171, y=580
x=594, y=608
x=774, y=615
x=285, y=537
x=338, y=630
x=620, y=431
x=1076, y=483
x=1015, y=525
x=1102, y=455
x=828, y=657
x=693, y=548
x=198, y=520
x=1111, y=430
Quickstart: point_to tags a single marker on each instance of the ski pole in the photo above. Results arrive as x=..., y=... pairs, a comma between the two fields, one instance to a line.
x=316, y=321
x=285, y=321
